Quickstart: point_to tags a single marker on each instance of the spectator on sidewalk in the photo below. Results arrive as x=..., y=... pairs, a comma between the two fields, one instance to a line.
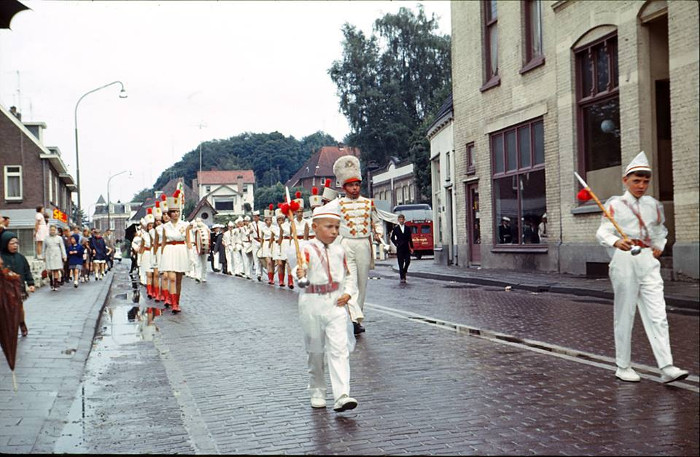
x=55, y=256
x=401, y=237
x=15, y=261
x=109, y=241
x=41, y=231
x=99, y=252
x=636, y=279
x=75, y=258
x=323, y=309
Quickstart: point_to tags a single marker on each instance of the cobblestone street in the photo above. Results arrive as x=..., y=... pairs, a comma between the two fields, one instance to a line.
x=228, y=375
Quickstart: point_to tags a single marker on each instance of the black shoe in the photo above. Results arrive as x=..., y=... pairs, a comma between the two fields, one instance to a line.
x=357, y=328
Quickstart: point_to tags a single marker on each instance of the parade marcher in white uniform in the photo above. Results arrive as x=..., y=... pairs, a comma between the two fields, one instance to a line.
x=164, y=294
x=247, y=247
x=299, y=221
x=267, y=233
x=282, y=244
x=636, y=279
x=158, y=218
x=175, y=260
x=323, y=310
x=203, y=235
x=147, y=251
x=256, y=238
x=143, y=257
x=228, y=242
x=315, y=200
x=237, y=240
x=359, y=225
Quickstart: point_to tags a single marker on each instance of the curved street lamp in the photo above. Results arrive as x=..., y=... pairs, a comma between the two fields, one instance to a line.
x=122, y=94
x=109, y=206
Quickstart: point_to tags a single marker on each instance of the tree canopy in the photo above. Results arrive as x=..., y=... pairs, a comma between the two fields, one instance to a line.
x=391, y=83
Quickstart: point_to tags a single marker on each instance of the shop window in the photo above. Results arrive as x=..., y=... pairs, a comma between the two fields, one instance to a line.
x=519, y=193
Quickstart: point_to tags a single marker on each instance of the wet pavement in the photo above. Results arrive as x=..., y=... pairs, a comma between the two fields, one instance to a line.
x=444, y=368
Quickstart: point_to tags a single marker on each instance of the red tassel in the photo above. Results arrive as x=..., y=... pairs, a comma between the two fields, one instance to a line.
x=584, y=195
x=294, y=205
x=285, y=208
x=314, y=191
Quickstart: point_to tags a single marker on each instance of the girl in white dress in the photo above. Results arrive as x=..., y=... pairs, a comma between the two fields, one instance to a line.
x=55, y=254
x=267, y=240
x=41, y=230
x=280, y=254
x=175, y=251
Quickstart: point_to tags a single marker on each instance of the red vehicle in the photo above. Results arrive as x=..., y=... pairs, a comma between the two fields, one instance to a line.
x=419, y=220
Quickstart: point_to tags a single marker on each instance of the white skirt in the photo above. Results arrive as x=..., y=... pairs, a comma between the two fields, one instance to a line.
x=279, y=250
x=175, y=258
x=147, y=260
x=267, y=249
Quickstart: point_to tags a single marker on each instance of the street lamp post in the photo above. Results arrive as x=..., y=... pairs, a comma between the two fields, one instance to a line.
x=109, y=206
x=122, y=94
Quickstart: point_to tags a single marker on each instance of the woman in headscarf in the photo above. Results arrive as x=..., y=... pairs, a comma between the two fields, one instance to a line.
x=15, y=261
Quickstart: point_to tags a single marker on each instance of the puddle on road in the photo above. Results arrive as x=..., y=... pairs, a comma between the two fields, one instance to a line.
x=121, y=324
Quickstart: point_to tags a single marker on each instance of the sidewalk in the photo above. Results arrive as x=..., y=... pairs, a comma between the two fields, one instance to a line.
x=685, y=296
x=49, y=365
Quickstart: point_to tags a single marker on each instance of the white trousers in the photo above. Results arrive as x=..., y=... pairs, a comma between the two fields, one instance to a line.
x=247, y=264
x=359, y=255
x=637, y=282
x=237, y=262
x=257, y=267
x=326, y=334
x=200, y=267
x=229, y=261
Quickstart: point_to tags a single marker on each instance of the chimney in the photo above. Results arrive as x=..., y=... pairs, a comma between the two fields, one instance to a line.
x=239, y=183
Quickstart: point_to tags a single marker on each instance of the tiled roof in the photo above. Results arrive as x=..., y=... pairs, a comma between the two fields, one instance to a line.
x=225, y=177
x=444, y=109
x=202, y=203
x=320, y=164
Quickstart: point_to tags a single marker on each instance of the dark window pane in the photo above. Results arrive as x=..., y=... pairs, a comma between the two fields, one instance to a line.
x=534, y=205
x=613, y=53
x=493, y=43
x=535, y=24
x=223, y=205
x=498, y=154
x=538, y=136
x=601, y=129
x=511, y=151
x=524, y=140
x=506, y=202
x=602, y=68
x=586, y=74
x=425, y=229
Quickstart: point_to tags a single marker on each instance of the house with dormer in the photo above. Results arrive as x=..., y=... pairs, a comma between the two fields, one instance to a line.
x=227, y=191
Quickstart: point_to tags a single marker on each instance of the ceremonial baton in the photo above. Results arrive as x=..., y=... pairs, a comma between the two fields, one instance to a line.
x=635, y=249
x=303, y=282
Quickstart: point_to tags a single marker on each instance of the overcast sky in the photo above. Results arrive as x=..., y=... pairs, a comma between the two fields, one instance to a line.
x=233, y=66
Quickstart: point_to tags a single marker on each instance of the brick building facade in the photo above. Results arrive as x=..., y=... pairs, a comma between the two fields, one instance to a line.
x=546, y=88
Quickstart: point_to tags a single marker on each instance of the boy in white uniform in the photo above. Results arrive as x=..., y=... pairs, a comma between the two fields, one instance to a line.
x=636, y=279
x=323, y=310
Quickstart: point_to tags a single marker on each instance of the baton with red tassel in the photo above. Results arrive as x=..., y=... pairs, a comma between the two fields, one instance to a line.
x=586, y=194
x=289, y=207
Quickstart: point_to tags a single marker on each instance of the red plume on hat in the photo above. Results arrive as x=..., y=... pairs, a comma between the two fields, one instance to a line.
x=163, y=197
x=272, y=207
x=298, y=194
x=284, y=207
x=149, y=211
x=584, y=195
x=314, y=191
x=157, y=203
x=328, y=183
x=177, y=193
x=294, y=205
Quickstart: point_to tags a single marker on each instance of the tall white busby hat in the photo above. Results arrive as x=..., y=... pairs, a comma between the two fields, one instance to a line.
x=347, y=169
x=299, y=199
x=175, y=202
x=270, y=212
x=157, y=211
x=315, y=199
x=328, y=192
x=149, y=216
x=639, y=163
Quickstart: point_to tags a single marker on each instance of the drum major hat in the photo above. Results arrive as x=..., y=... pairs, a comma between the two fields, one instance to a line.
x=639, y=163
x=330, y=210
x=270, y=212
x=149, y=216
x=328, y=192
x=299, y=199
x=347, y=169
x=315, y=199
x=174, y=202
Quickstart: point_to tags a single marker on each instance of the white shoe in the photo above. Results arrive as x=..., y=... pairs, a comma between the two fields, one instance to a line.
x=671, y=373
x=627, y=374
x=344, y=403
x=318, y=399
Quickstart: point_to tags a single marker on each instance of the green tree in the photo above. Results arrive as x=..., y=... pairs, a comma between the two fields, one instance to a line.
x=390, y=83
x=142, y=195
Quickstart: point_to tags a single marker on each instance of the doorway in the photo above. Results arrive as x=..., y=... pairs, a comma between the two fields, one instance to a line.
x=473, y=224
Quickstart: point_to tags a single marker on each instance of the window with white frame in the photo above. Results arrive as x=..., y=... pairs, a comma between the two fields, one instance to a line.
x=13, y=182
x=50, y=186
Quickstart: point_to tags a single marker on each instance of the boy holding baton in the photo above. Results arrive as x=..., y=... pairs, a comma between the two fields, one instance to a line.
x=323, y=309
x=636, y=279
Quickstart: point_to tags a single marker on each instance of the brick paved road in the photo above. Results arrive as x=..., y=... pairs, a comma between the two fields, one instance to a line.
x=235, y=366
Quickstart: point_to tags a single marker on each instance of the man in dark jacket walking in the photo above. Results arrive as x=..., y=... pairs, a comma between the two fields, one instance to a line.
x=401, y=237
